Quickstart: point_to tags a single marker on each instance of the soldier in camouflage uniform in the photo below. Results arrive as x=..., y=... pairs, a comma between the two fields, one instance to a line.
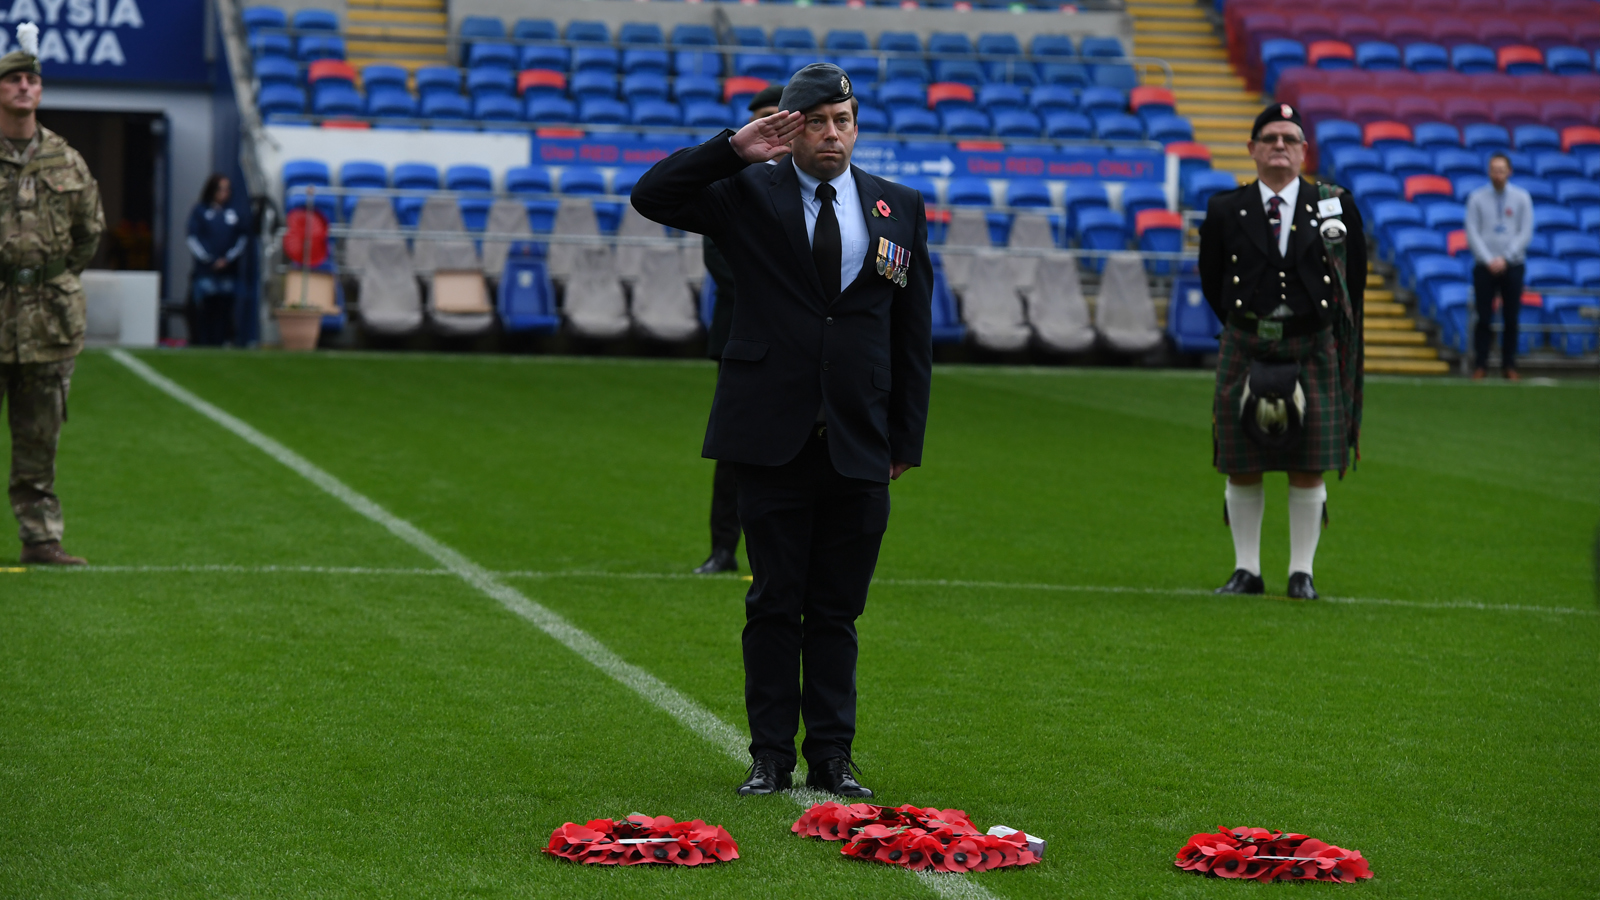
x=50, y=226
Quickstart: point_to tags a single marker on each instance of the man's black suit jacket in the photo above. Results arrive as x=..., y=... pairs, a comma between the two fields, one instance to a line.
x=866, y=357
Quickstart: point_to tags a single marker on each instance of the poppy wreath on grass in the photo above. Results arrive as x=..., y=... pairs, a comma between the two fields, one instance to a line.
x=641, y=839
x=943, y=840
x=1257, y=854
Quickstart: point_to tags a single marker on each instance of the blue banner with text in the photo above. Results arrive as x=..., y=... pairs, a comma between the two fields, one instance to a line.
x=160, y=41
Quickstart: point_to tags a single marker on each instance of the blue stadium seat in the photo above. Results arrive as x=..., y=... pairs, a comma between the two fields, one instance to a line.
x=1191, y=324
x=1085, y=194
x=863, y=71
x=1568, y=61
x=1099, y=229
x=1068, y=126
x=636, y=88
x=1049, y=98
x=1586, y=272
x=1168, y=129
x=658, y=113
x=603, y=111
x=264, y=45
x=1573, y=312
x=1541, y=190
x=998, y=97
x=1333, y=133
x=1203, y=184
x=1451, y=162
x=467, y=177
x=1370, y=187
x=697, y=63
x=960, y=71
x=644, y=60
x=482, y=27
x=541, y=214
x=766, y=66
x=793, y=39
x=301, y=172
x=1484, y=136
x=1435, y=135
x=1409, y=243
x=1051, y=45
x=842, y=40
x=535, y=30
x=438, y=78
x=497, y=108
x=1118, y=126
x=1102, y=99
x=528, y=180
x=1423, y=57
x=582, y=180
x=1377, y=56
x=1101, y=47
x=1138, y=196
x=1578, y=193
x=1017, y=123
x=871, y=120
x=263, y=17
x=1444, y=217
x=525, y=300
x=312, y=19
x=475, y=213
x=1533, y=138
x=588, y=32
x=970, y=191
x=1161, y=237
x=1557, y=165
x=1027, y=192
x=593, y=85
x=959, y=122
x=439, y=105
x=1450, y=296
x=1279, y=55
x=1352, y=160
x=312, y=47
x=536, y=56
x=336, y=98
x=946, y=42
x=383, y=76
x=491, y=83
x=706, y=114
x=1550, y=220
x=1114, y=75
x=1388, y=216
x=924, y=186
x=1064, y=73
x=389, y=102
x=492, y=55
x=1466, y=184
x=634, y=34
x=550, y=110
x=749, y=36
x=947, y=326
x=1472, y=59
x=1589, y=220
x=911, y=120
x=1403, y=162
x=413, y=177
x=273, y=70
x=1430, y=271
x=899, y=42
x=902, y=95
x=595, y=59
x=1545, y=273
x=1574, y=245
x=696, y=89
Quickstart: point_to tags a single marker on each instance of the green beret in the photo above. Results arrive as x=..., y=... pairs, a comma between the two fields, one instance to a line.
x=17, y=61
x=815, y=85
x=769, y=96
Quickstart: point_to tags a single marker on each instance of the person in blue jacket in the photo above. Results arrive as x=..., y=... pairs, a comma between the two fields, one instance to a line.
x=217, y=238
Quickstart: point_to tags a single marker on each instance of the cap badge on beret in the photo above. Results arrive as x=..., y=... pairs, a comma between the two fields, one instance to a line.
x=844, y=84
x=1287, y=110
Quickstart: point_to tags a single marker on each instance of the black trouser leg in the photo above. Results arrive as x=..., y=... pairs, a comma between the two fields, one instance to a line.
x=1510, y=313
x=215, y=320
x=1484, y=287
x=725, y=507
x=813, y=537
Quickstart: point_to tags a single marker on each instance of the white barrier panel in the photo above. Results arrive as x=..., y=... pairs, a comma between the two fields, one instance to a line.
x=124, y=307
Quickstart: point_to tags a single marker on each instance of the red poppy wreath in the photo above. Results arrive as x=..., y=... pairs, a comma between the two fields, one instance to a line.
x=944, y=840
x=1257, y=854
x=641, y=839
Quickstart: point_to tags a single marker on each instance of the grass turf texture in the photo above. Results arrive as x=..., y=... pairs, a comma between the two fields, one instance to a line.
x=310, y=734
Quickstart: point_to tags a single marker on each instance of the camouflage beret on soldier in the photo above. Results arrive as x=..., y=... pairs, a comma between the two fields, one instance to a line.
x=26, y=57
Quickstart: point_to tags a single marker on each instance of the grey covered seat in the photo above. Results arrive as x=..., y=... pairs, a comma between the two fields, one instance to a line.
x=1029, y=231
x=595, y=306
x=506, y=216
x=371, y=214
x=1125, y=314
x=991, y=305
x=1056, y=308
x=391, y=302
x=663, y=306
x=442, y=214
x=574, y=218
x=694, y=260
x=968, y=228
x=631, y=256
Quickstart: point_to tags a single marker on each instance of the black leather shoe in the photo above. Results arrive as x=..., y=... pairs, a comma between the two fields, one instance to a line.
x=1301, y=588
x=833, y=775
x=766, y=775
x=1242, y=582
x=718, y=562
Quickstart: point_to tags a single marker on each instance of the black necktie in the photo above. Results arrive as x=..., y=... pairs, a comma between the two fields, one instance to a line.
x=1275, y=217
x=826, y=250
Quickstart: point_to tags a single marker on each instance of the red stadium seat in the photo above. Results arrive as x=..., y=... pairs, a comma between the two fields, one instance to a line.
x=330, y=69
x=347, y=124
x=1455, y=242
x=1355, y=29
x=1497, y=32
x=1403, y=29
x=1393, y=132
x=942, y=92
x=1156, y=218
x=1312, y=27
x=1414, y=109
x=1576, y=136
x=1519, y=59
x=741, y=84
x=558, y=131
x=1192, y=150
x=1364, y=108
x=1464, y=111
x=1547, y=33
x=1428, y=185
x=1145, y=96
x=1562, y=113
x=980, y=146
x=545, y=78
x=1330, y=54
x=1514, y=111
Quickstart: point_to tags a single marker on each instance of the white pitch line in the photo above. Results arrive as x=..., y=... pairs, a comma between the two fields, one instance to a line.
x=893, y=582
x=692, y=715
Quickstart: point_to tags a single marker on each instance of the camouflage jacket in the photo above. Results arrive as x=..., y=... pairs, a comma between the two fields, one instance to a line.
x=50, y=226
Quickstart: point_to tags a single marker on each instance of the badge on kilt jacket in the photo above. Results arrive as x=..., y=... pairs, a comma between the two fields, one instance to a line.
x=894, y=261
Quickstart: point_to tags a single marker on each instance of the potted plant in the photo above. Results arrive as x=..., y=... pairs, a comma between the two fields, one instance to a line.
x=307, y=295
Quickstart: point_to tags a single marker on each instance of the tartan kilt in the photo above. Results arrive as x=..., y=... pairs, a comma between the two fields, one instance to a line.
x=1325, y=441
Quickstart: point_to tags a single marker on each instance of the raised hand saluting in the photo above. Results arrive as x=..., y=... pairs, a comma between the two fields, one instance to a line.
x=766, y=139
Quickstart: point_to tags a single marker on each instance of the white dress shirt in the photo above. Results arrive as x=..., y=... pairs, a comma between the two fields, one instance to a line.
x=852, y=222
x=1290, y=194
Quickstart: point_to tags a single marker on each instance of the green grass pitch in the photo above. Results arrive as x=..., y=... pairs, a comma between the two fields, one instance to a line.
x=1040, y=648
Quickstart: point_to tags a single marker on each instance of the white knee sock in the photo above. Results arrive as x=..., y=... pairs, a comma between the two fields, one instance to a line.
x=1246, y=503
x=1305, y=525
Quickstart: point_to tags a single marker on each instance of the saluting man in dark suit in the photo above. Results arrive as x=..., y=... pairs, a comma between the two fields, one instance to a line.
x=1283, y=263
x=821, y=400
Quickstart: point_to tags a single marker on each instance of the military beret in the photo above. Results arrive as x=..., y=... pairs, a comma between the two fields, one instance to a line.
x=17, y=61
x=1277, y=112
x=816, y=84
x=769, y=96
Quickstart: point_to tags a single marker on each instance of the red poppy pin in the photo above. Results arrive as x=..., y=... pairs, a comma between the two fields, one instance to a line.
x=882, y=209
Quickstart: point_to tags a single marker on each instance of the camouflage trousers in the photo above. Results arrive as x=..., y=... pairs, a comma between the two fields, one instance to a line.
x=35, y=396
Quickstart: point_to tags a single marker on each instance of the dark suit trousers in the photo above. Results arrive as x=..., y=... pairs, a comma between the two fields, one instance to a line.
x=812, y=536
x=1508, y=284
x=725, y=507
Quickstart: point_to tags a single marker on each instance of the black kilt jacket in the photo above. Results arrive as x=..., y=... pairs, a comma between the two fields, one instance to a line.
x=1237, y=251
x=866, y=357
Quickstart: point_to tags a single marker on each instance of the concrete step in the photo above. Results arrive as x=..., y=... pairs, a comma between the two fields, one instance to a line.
x=409, y=63
x=410, y=32
x=1406, y=367
x=1380, y=295
x=1198, y=82
x=420, y=5
x=1389, y=323
x=1393, y=337
x=1175, y=52
x=1231, y=96
x=1161, y=15
x=1174, y=26
x=1233, y=110
x=395, y=16
x=434, y=53
x=1387, y=352
x=1374, y=280
x=1161, y=4
x=1199, y=67
x=1383, y=308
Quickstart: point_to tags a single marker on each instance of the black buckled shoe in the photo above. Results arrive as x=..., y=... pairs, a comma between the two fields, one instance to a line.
x=833, y=776
x=1242, y=582
x=767, y=775
x=1301, y=588
x=718, y=562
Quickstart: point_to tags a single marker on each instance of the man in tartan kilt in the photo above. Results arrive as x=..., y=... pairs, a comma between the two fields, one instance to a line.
x=1274, y=258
